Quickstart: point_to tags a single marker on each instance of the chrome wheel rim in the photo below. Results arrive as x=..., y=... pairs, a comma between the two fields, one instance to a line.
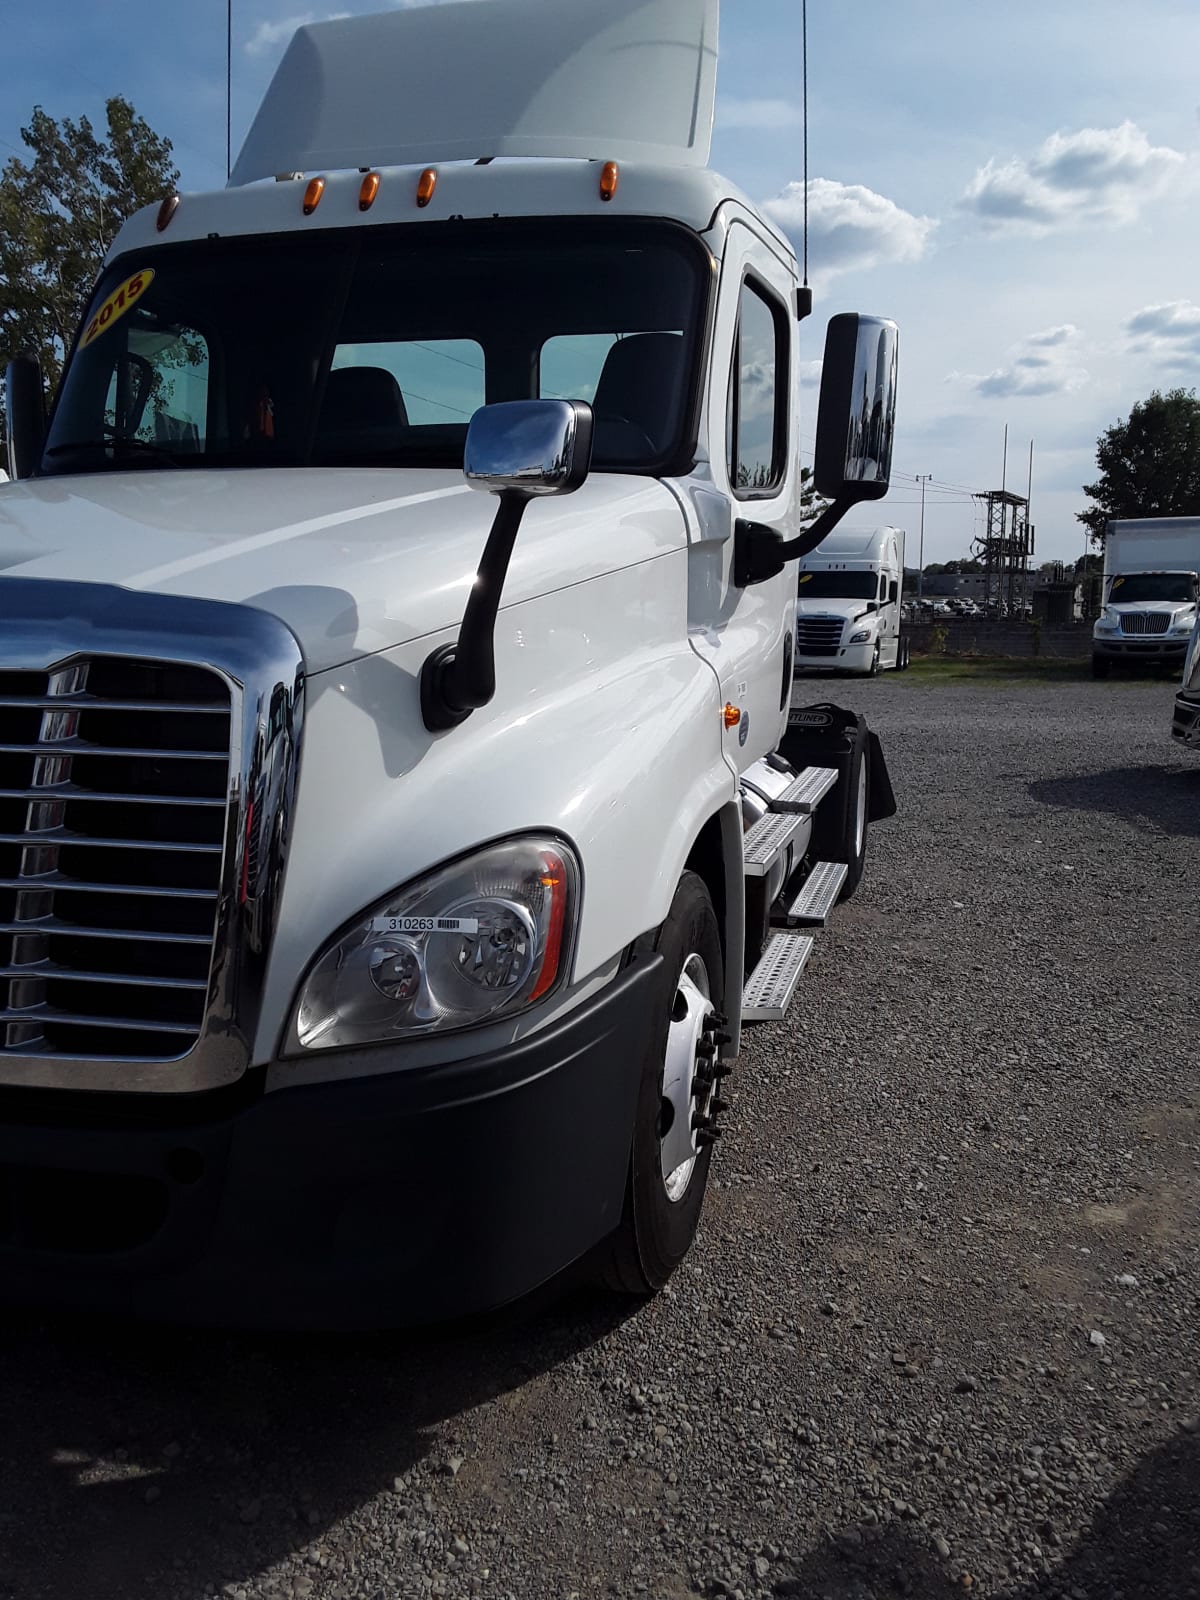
x=687, y=1094
x=860, y=811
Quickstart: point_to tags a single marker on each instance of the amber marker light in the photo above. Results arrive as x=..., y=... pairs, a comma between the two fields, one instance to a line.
x=610, y=177
x=166, y=211
x=426, y=185
x=367, y=190
x=733, y=716
x=312, y=195
x=555, y=882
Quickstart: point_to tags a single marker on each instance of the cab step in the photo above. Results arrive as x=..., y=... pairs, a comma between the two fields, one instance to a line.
x=771, y=985
x=765, y=842
x=817, y=898
x=802, y=797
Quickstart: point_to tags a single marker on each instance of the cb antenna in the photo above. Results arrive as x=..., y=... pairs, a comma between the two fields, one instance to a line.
x=228, y=88
x=804, y=297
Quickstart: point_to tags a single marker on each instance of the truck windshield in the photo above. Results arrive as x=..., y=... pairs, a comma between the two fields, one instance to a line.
x=838, y=586
x=374, y=347
x=1133, y=586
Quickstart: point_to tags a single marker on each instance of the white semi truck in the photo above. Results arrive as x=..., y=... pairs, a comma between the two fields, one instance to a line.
x=402, y=808
x=848, y=603
x=1151, y=585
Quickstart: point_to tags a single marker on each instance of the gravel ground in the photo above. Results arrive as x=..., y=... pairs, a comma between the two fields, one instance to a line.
x=940, y=1331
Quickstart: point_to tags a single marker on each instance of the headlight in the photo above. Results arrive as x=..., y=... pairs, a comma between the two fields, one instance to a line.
x=1108, y=620
x=1184, y=623
x=486, y=937
x=863, y=636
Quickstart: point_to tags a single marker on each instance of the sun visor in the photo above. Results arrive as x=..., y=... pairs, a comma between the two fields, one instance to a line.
x=626, y=80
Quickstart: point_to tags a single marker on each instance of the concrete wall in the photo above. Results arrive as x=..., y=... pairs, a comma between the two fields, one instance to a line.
x=968, y=636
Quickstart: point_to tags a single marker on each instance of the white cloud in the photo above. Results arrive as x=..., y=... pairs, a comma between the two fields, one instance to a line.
x=1093, y=175
x=1043, y=363
x=735, y=113
x=269, y=35
x=850, y=226
x=1169, y=332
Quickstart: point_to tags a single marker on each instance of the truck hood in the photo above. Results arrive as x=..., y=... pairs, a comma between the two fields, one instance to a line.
x=848, y=610
x=353, y=560
x=1155, y=607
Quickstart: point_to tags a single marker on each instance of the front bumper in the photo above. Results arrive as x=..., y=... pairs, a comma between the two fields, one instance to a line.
x=1159, y=647
x=846, y=658
x=404, y=1198
x=1185, y=725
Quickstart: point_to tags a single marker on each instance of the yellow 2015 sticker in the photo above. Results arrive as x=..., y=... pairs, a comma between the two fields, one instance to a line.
x=806, y=577
x=117, y=304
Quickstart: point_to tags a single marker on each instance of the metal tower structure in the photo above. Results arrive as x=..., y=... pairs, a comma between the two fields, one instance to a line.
x=1005, y=547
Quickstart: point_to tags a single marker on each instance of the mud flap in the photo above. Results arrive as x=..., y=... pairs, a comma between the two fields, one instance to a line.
x=881, y=798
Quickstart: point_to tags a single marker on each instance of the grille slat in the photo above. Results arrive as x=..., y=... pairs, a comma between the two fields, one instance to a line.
x=53, y=925
x=88, y=702
x=1145, y=622
x=77, y=747
x=63, y=837
x=70, y=791
x=106, y=941
x=58, y=880
x=131, y=980
x=47, y=1015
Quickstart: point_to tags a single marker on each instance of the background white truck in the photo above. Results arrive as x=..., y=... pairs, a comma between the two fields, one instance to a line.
x=384, y=882
x=1151, y=584
x=848, y=603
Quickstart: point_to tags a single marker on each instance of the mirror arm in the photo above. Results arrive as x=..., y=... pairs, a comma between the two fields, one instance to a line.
x=460, y=678
x=759, y=553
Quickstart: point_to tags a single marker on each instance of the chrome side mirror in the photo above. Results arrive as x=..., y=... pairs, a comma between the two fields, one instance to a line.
x=519, y=451
x=530, y=447
x=856, y=420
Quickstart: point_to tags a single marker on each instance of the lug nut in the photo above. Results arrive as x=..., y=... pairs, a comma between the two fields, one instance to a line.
x=719, y=1106
x=721, y=1069
x=707, y=1049
x=701, y=1123
x=707, y=1137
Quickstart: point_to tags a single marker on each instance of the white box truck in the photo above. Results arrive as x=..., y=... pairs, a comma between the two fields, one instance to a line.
x=848, y=603
x=1150, y=588
x=402, y=808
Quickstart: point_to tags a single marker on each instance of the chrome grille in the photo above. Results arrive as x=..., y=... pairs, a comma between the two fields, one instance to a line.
x=114, y=798
x=1145, y=622
x=819, y=636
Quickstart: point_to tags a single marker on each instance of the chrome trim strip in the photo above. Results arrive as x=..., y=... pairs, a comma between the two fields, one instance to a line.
x=54, y=627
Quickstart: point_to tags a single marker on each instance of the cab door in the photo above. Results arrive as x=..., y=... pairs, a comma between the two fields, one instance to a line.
x=746, y=634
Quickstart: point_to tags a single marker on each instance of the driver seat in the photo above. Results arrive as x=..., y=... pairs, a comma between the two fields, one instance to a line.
x=639, y=399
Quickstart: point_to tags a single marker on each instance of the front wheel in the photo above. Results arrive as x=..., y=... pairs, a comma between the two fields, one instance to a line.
x=677, y=1101
x=874, y=667
x=1101, y=666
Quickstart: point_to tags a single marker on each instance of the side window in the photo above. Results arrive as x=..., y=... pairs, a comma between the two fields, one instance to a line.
x=758, y=424
x=158, y=392
x=440, y=380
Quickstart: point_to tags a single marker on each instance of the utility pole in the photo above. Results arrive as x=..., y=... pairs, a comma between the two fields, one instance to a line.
x=922, y=479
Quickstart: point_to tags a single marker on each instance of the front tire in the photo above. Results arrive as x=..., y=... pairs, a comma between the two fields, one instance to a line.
x=669, y=1160
x=1101, y=666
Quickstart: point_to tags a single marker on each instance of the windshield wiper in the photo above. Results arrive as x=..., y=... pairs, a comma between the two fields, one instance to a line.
x=115, y=445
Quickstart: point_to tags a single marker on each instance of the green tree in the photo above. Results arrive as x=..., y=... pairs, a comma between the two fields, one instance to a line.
x=60, y=210
x=1149, y=463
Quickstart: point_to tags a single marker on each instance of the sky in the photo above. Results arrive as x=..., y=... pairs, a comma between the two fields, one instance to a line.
x=1017, y=186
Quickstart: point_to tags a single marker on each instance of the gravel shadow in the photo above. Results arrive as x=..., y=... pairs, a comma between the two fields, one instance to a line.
x=129, y=1451
x=1169, y=797
x=1143, y=1544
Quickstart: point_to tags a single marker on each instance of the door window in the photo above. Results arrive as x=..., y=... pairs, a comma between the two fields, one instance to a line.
x=758, y=422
